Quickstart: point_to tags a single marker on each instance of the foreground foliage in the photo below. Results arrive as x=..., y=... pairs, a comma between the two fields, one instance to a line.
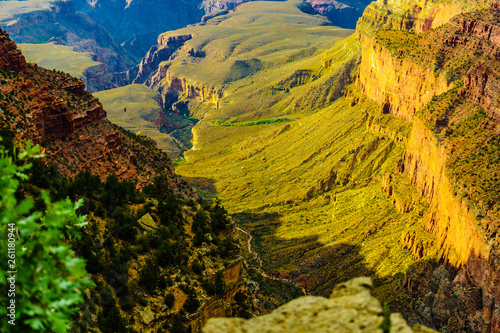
x=49, y=277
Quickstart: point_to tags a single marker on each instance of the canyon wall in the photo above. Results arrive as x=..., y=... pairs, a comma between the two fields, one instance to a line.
x=403, y=87
x=400, y=86
x=157, y=54
x=219, y=306
x=410, y=15
x=449, y=220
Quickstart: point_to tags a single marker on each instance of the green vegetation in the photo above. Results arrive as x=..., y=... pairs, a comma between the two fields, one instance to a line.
x=317, y=208
x=59, y=57
x=252, y=123
x=135, y=107
x=50, y=278
x=154, y=256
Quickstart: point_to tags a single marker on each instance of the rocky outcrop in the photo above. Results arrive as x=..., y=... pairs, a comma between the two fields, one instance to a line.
x=219, y=306
x=344, y=13
x=410, y=15
x=400, y=86
x=482, y=85
x=210, y=6
x=173, y=88
x=158, y=53
x=10, y=57
x=449, y=304
x=53, y=118
x=350, y=308
x=480, y=29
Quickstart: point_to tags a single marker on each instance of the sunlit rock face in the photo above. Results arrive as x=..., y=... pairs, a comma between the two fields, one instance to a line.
x=350, y=308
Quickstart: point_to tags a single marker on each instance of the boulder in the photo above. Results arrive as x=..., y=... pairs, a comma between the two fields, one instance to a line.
x=147, y=223
x=350, y=308
x=147, y=315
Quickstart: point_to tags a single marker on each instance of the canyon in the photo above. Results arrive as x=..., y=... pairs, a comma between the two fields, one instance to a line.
x=340, y=153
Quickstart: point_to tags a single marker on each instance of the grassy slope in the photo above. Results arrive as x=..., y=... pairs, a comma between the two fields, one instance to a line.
x=59, y=57
x=141, y=107
x=251, y=50
x=273, y=32
x=309, y=189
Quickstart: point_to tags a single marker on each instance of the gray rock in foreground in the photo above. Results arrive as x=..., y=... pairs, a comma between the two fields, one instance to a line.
x=350, y=308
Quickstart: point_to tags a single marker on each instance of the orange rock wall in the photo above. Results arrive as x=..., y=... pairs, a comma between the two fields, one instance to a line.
x=449, y=219
x=400, y=86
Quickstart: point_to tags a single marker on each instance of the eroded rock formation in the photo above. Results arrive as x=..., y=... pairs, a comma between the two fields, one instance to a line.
x=158, y=53
x=10, y=57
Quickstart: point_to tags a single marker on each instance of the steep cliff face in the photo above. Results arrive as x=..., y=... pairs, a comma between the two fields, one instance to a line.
x=451, y=147
x=344, y=13
x=424, y=162
x=173, y=88
x=416, y=16
x=157, y=54
x=482, y=85
x=11, y=58
x=400, y=86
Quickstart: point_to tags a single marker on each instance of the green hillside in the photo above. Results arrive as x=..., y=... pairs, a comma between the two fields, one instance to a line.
x=135, y=107
x=59, y=57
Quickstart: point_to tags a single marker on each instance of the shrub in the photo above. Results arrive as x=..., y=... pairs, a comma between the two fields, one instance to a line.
x=169, y=300
x=49, y=287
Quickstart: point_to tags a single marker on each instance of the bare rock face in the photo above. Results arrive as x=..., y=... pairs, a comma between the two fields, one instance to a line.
x=10, y=57
x=344, y=13
x=412, y=15
x=482, y=85
x=350, y=308
x=147, y=222
x=157, y=54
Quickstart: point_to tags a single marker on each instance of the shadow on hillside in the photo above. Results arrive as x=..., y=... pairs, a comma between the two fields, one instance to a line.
x=303, y=260
x=205, y=186
x=426, y=286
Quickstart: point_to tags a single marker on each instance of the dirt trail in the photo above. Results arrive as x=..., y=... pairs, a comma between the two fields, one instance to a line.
x=259, y=260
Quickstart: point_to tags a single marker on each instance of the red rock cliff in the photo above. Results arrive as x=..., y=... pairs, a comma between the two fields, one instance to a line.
x=10, y=57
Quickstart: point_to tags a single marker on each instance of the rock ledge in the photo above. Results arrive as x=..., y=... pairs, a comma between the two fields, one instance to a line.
x=350, y=308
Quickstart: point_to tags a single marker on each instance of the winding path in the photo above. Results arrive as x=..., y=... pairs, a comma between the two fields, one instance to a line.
x=259, y=260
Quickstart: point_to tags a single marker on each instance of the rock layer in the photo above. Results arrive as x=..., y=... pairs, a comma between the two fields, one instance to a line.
x=10, y=57
x=409, y=15
x=158, y=53
x=482, y=85
x=400, y=86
